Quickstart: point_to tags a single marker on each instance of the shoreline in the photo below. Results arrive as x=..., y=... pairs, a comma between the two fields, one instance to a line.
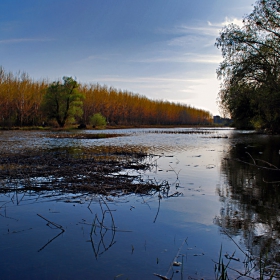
x=108, y=127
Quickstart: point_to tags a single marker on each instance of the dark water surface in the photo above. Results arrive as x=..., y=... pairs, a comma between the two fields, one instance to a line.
x=229, y=197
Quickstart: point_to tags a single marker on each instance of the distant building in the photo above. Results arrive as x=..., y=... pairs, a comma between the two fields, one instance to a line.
x=222, y=121
x=217, y=119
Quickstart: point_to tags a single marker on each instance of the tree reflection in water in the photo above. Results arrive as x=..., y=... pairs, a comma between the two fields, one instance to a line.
x=250, y=197
x=103, y=229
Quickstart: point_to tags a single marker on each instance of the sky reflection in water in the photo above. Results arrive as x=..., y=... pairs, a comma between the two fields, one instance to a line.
x=147, y=240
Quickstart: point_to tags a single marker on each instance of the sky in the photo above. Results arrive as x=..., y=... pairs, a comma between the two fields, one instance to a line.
x=162, y=49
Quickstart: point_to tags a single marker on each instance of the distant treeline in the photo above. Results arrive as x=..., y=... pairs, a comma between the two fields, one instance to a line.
x=21, y=100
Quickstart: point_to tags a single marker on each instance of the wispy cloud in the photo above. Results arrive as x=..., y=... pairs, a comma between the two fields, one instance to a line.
x=156, y=87
x=182, y=58
x=24, y=40
x=200, y=58
x=201, y=34
x=204, y=28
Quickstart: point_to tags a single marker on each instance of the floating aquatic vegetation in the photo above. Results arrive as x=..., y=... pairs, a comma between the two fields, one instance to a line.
x=191, y=131
x=106, y=170
x=85, y=135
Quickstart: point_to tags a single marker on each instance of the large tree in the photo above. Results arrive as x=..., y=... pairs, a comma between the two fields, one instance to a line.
x=63, y=101
x=250, y=70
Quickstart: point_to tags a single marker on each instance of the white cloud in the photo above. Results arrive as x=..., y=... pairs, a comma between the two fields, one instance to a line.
x=227, y=21
x=236, y=21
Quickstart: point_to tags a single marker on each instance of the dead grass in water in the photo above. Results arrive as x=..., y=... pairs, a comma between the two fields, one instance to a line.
x=98, y=170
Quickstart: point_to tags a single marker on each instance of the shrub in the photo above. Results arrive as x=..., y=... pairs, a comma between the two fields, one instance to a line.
x=97, y=120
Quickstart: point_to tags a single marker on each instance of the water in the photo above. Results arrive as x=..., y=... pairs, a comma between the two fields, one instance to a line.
x=223, y=202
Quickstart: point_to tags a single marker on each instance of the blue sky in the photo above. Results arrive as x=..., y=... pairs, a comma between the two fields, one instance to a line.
x=163, y=49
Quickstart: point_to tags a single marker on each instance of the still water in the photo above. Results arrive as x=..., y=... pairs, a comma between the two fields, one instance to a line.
x=228, y=203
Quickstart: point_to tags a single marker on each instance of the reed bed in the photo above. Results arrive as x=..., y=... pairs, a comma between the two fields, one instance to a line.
x=197, y=131
x=106, y=170
x=86, y=135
